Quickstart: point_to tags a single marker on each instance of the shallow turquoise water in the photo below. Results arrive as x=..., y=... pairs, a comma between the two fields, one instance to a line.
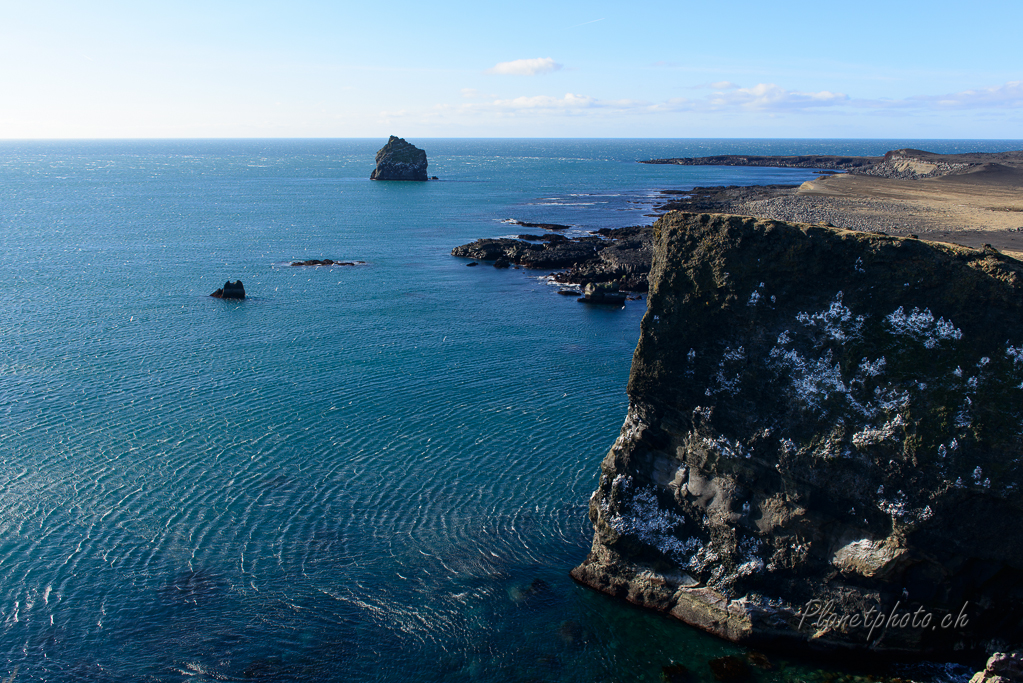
x=371, y=473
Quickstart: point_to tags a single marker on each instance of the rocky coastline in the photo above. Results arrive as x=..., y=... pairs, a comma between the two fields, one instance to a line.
x=827, y=420
x=973, y=200
x=898, y=163
x=821, y=161
x=967, y=199
x=606, y=255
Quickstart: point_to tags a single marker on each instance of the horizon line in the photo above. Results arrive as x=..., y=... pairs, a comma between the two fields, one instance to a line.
x=419, y=137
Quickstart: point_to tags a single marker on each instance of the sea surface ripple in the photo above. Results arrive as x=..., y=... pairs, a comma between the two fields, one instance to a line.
x=374, y=473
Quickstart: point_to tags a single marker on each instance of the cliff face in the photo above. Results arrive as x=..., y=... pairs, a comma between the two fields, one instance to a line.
x=400, y=160
x=824, y=427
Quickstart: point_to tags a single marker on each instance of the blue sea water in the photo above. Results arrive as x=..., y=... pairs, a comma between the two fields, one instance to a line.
x=369, y=473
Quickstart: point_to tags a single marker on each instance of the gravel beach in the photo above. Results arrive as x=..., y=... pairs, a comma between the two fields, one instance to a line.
x=972, y=200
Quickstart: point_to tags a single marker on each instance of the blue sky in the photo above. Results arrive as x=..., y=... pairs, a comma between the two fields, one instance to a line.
x=308, y=68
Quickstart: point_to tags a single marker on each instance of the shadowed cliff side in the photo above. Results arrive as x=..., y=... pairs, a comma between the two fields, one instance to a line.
x=400, y=160
x=824, y=427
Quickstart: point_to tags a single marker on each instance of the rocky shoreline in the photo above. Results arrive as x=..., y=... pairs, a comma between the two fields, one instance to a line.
x=827, y=162
x=824, y=405
x=973, y=200
x=607, y=255
x=900, y=164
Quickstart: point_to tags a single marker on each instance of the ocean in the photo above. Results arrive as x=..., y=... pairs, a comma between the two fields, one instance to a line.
x=364, y=473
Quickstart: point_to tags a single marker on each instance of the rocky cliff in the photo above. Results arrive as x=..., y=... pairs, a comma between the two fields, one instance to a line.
x=823, y=442
x=400, y=160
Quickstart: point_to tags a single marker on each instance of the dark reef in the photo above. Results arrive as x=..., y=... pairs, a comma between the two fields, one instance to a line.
x=621, y=254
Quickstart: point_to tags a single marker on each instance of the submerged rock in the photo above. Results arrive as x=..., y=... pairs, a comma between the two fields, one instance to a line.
x=400, y=160
x=675, y=673
x=230, y=290
x=729, y=668
x=823, y=444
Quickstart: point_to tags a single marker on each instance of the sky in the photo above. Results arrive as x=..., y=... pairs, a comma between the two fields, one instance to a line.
x=674, y=69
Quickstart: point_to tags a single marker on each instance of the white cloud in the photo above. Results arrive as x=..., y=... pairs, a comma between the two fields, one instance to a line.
x=997, y=97
x=763, y=97
x=569, y=101
x=525, y=67
x=768, y=96
x=545, y=104
x=761, y=100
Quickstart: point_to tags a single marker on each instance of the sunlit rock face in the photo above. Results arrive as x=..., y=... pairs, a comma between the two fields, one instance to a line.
x=400, y=160
x=824, y=428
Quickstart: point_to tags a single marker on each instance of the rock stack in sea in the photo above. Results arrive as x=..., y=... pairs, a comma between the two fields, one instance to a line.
x=230, y=290
x=823, y=444
x=400, y=160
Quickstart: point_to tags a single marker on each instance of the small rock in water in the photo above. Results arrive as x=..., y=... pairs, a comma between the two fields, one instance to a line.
x=537, y=589
x=759, y=660
x=729, y=668
x=230, y=290
x=570, y=632
x=470, y=265
x=675, y=673
x=502, y=263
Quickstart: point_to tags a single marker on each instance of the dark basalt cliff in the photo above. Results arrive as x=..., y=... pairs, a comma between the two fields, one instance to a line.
x=400, y=160
x=821, y=415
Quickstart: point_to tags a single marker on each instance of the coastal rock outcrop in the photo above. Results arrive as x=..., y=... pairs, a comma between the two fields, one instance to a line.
x=622, y=254
x=823, y=444
x=903, y=164
x=230, y=290
x=1001, y=667
x=823, y=161
x=913, y=164
x=400, y=160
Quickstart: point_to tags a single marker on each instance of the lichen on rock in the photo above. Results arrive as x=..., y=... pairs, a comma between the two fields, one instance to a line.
x=820, y=417
x=400, y=160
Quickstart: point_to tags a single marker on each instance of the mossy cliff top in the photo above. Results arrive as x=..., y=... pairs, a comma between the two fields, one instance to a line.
x=819, y=414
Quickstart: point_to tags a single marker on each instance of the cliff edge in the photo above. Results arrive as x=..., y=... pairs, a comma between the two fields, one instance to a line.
x=823, y=442
x=400, y=160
